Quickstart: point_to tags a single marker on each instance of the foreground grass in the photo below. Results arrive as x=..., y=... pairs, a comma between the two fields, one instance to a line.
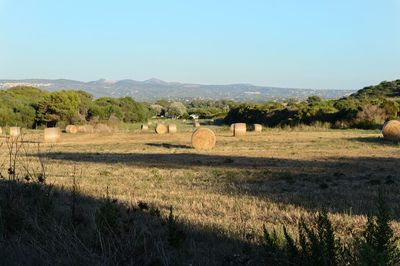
x=229, y=193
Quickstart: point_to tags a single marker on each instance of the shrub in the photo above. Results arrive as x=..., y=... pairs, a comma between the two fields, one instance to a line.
x=317, y=244
x=378, y=245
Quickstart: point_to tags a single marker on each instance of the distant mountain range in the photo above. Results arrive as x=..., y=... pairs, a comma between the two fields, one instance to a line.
x=154, y=89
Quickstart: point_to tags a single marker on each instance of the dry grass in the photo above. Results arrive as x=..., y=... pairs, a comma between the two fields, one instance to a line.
x=272, y=177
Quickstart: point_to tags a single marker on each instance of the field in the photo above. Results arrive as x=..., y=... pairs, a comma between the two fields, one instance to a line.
x=223, y=197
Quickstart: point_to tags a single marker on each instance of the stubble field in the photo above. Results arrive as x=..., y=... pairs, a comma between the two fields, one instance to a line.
x=271, y=178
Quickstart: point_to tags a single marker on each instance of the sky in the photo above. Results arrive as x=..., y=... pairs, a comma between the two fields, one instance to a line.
x=319, y=44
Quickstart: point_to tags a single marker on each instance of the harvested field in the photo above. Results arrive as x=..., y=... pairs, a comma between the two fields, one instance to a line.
x=272, y=177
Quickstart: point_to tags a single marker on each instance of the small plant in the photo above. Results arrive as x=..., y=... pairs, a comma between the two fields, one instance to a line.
x=176, y=236
x=74, y=200
x=154, y=211
x=291, y=247
x=378, y=245
x=143, y=205
x=106, y=217
x=273, y=248
x=317, y=244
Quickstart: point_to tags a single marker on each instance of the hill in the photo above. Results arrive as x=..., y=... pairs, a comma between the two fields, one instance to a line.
x=385, y=89
x=154, y=89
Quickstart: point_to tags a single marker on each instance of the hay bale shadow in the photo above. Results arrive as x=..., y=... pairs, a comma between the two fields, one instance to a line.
x=375, y=140
x=169, y=145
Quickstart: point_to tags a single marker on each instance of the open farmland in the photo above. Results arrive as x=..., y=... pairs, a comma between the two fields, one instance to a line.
x=229, y=193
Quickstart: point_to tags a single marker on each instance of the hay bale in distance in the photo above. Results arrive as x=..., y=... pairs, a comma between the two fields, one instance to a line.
x=15, y=131
x=52, y=134
x=81, y=129
x=85, y=129
x=1, y=130
x=161, y=129
x=203, y=139
x=71, y=129
x=257, y=127
x=144, y=127
x=89, y=128
x=172, y=128
x=102, y=128
x=196, y=123
x=391, y=130
x=239, y=129
x=232, y=128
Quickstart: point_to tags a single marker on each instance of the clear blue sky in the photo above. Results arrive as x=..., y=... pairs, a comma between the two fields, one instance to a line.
x=344, y=44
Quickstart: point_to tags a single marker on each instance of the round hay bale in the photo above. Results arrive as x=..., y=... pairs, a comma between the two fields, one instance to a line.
x=239, y=129
x=196, y=123
x=391, y=130
x=71, y=129
x=15, y=131
x=1, y=130
x=85, y=129
x=172, y=128
x=52, y=134
x=81, y=129
x=232, y=127
x=102, y=128
x=257, y=127
x=161, y=129
x=144, y=127
x=203, y=139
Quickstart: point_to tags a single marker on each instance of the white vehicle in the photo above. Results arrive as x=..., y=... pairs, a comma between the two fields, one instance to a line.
x=194, y=117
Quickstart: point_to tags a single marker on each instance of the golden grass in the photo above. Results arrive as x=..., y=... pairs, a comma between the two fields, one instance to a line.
x=272, y=177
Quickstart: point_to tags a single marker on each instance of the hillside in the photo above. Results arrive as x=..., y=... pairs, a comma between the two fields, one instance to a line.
x=154, y=89
x=383, y=89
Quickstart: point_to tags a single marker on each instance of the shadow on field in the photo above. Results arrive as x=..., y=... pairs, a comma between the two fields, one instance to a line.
x=168, y=145
x=339, y=184
x=375, y=140
x=184, y=160
x=56, y=226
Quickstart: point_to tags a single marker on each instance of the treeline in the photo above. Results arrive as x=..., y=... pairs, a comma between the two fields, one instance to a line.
x=30, y=107
x=205, y=109
x=368, y=108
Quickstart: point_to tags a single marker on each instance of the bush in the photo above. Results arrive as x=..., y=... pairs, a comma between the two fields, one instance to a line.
x=317, y=244
x=378, y=245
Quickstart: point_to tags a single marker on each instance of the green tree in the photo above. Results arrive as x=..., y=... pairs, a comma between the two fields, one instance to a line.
x=57, y=107
x=157, y=109
x=176, y=109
